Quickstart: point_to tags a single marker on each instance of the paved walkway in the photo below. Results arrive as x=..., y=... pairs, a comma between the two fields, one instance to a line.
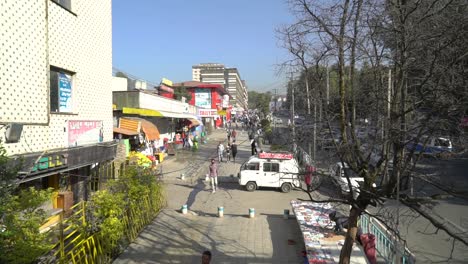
x=176, y=238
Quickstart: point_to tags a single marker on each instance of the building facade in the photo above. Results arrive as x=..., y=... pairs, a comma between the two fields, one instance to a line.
x=56, y=90
x=215, y=73
x=212, y=102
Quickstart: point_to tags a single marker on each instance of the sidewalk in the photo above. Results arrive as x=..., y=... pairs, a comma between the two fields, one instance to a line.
x=176, y=238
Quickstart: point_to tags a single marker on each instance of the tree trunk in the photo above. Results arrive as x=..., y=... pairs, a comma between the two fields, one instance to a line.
x=346, y=250
x=341, y=71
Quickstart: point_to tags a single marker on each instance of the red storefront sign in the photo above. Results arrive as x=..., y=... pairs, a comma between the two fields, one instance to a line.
x=207, y=112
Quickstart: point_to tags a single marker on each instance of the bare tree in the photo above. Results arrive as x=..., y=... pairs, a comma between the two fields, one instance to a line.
x=421, y=48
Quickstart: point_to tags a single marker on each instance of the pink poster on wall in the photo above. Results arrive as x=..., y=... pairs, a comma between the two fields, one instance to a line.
x=83, y=132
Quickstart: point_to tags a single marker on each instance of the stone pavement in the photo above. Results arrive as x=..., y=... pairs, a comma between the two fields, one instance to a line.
x=176, y=238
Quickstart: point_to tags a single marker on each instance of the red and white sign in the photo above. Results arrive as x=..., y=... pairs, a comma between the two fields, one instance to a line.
x=207, y=112
x=267, y=155
x=82, y=132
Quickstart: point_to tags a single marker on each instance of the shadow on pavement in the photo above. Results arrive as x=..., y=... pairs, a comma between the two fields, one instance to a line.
x=176, y=239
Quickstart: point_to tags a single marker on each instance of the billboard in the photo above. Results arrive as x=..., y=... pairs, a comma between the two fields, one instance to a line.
x=203, y=98
x=166, y=82
x=65, y=92
x=82, y=132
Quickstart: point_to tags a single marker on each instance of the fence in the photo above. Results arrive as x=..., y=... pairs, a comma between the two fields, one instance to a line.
x=388, y=247
x=75, y=245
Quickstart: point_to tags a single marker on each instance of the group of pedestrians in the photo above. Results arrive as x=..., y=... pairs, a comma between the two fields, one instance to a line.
x=230, y=150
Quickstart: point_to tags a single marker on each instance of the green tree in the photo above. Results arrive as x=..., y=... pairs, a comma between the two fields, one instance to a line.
x=260, y=101
x=181, y=91
x=21, y=216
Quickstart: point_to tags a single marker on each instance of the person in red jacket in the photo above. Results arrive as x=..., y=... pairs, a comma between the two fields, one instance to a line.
x=308, y=177
x=234, y=135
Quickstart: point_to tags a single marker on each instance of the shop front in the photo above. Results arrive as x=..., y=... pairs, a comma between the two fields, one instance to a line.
x=67, y=171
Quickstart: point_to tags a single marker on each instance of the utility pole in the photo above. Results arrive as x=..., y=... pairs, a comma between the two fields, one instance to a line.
x=274, y=110
x=291, y=86
x=308, y=111
x=328, y=87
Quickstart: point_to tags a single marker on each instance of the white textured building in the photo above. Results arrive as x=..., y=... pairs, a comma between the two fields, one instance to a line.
x=56, y=81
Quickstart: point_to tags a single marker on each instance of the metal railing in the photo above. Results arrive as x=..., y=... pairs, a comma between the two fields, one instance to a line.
x=388, y=247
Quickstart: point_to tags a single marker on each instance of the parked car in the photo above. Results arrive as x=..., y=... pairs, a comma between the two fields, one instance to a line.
x=277, y=120
x=270, y=169
x=339, y=172
x=431, y=146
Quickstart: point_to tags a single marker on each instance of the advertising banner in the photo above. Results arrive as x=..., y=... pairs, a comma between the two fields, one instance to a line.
x=82, y=132
x=65, y=92
x=207, y=113
x=225, y=101
x=203, y=98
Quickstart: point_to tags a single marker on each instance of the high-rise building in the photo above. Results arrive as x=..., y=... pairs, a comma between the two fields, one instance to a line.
x=216, y=73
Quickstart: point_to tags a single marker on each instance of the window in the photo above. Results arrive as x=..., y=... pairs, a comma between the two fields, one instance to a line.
x=252, y=166
x=64, y=3
x=271, y=167
x=61, y=91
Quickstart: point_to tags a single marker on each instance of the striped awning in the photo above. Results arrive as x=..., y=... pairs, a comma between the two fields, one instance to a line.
x=129, y=124
x=124, y=131
x=150, y=130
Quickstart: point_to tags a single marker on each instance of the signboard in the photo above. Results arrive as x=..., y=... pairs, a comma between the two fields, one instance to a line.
x=222, y=112
x=225, y=101
x=65, y=92
x=163, y=87
x=50, y=162
x=166, y=82
x=203, y=98
x=207, y=113
x=82, y=132
x=267, y=155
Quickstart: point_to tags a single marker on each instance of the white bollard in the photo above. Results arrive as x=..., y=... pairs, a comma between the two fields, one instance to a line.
x=251, y=212
x=182, y=176
x=220, y=211
x=207, y=177
x=184, y=209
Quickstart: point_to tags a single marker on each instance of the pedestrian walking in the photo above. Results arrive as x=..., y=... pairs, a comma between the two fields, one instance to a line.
x=234, y=135
x=228, y=152
x=228, y=135
x=206, y=257
x=213, y=175
x=234, y=150
x=253, y=146
x=220, y=152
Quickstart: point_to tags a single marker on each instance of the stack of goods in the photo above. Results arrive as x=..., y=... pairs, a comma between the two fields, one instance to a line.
x=315, y=226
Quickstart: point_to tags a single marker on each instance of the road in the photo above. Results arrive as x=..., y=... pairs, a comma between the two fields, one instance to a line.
x=428, y=244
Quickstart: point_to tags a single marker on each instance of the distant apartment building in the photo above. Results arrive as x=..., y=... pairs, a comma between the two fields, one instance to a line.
x=215, y=73
x=56, y=83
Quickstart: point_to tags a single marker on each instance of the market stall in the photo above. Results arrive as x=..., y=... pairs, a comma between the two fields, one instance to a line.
x=322, y=245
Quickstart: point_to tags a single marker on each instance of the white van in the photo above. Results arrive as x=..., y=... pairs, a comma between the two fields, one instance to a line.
x=278, y=170
x=338, y=174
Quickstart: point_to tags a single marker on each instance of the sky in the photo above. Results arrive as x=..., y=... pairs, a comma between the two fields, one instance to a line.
x=153, y=39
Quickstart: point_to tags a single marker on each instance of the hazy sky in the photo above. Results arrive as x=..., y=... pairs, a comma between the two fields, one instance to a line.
x=164, y=38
